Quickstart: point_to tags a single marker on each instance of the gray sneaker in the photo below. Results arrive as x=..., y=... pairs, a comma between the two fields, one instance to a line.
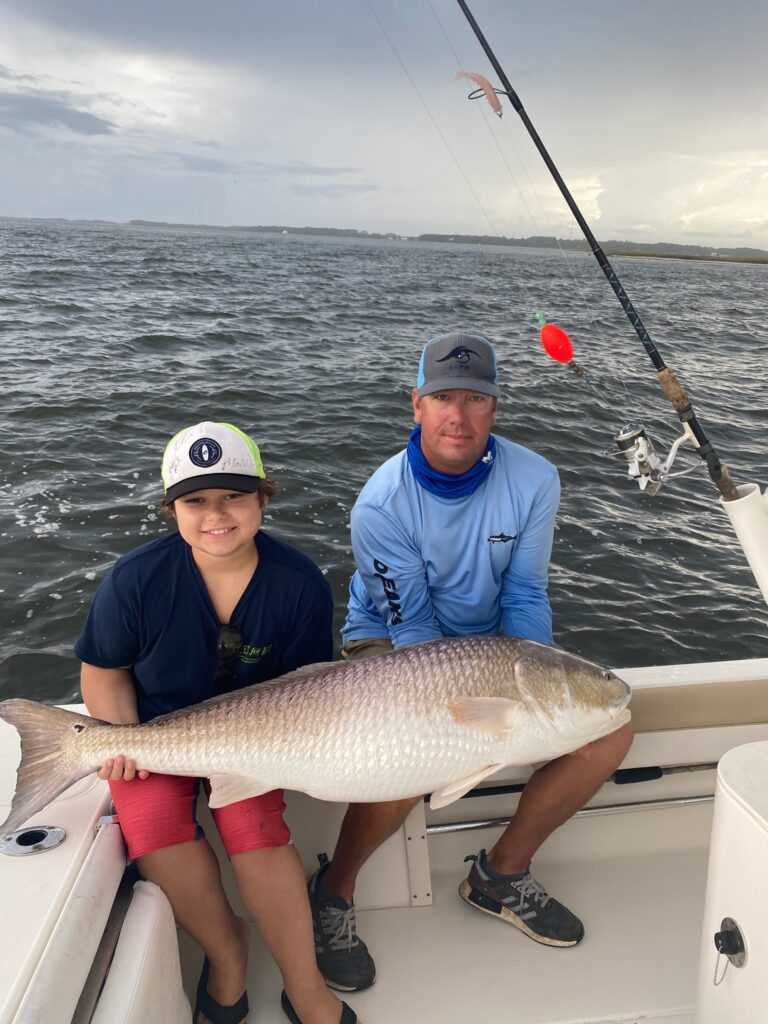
x=522, y=901
x=342, y=956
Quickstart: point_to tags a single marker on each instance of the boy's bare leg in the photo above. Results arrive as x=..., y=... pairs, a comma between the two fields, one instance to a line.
x=188, y=874
x=272, y=885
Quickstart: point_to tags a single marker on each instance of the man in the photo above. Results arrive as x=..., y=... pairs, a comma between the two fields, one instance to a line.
x=453, y=537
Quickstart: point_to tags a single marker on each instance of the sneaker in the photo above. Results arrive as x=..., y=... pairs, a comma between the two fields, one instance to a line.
x=342, y=956
x=522, y=901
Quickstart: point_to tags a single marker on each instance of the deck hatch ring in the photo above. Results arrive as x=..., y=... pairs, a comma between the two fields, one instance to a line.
x=729, y=942
x=36, y=839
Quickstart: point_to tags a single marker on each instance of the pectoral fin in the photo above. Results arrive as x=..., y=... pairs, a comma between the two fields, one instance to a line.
x=456, y=790
x=486, y=714
x=228, y=789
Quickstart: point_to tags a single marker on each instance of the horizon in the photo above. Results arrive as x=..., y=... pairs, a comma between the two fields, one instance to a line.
x=654, y=117
x=425, y=236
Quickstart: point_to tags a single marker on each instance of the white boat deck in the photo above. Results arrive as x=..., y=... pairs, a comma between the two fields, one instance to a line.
x=449, y=964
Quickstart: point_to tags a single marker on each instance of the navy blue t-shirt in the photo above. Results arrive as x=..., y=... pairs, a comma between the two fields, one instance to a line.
x=153, y=613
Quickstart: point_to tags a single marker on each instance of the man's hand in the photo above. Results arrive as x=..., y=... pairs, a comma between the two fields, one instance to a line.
x=121, y=768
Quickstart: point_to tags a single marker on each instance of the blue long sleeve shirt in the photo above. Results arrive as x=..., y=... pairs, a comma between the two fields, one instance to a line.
x=429, y=566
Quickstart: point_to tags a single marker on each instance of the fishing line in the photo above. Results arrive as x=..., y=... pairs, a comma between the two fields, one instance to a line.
x=594, y=385
x=429, y=114
x=595, y=380
x=494, y=230
x=503, y=156
x=590, y=380
x=718, y=472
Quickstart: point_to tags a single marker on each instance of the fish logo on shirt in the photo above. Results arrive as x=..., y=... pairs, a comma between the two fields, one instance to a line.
x=501, y=538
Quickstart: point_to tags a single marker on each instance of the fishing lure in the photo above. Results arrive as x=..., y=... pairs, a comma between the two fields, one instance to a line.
x=491, y=94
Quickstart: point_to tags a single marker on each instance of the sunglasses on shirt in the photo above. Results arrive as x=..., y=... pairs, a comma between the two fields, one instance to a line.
x=229, y=644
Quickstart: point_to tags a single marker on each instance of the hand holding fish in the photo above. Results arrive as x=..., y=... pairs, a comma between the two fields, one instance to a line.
x=121, y=768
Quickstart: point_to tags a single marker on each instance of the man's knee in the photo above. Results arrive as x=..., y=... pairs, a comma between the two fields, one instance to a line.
x=355, y=650
x=411, y=802
x=385, y=808
x=622, y=740
x=611, y=749
x=378, y=819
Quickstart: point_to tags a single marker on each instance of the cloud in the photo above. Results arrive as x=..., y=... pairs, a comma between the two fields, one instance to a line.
x=332, y=191
x=198, y=163
x=12, y=76
x=546, y=209
x=587, y=192
x=201, y=163
x=633, y=229
x=269, y=115
x=29, y=108
x=314, y=34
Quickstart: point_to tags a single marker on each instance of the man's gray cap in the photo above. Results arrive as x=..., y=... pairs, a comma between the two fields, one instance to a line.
x=458, y=361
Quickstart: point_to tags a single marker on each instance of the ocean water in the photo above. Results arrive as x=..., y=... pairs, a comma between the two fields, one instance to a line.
x=114, y=337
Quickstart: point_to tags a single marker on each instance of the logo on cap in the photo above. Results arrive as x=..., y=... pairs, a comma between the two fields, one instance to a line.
x=204, y=453
x=460, y=354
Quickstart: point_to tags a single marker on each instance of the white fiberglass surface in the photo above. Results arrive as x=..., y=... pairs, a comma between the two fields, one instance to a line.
x=449, y=964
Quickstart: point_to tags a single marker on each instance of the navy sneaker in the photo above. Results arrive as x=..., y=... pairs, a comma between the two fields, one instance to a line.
x=522, y=901
x=342, y=956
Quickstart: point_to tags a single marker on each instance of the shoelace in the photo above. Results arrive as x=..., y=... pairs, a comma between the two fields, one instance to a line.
x=340, y=927
x=527, y=886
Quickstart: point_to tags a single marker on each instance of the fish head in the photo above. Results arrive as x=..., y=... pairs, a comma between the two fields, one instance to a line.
x=574, y=700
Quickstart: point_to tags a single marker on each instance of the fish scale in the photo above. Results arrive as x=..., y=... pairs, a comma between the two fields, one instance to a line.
x=432, y=718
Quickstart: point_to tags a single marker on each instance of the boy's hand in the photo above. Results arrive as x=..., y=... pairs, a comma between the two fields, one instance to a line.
x=121, y=768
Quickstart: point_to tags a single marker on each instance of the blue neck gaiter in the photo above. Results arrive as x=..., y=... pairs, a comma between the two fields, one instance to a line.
x=448, y=485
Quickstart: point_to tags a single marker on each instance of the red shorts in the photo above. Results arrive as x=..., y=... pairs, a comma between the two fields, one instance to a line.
x=160, y=811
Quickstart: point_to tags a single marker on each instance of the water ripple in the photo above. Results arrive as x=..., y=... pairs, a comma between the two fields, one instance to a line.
x=115, y=337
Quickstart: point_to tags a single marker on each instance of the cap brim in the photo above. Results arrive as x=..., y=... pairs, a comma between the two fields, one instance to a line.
x=482, y=387
x=227, y=481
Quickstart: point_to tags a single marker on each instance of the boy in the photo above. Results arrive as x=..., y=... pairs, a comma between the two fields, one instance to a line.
x=214, y=607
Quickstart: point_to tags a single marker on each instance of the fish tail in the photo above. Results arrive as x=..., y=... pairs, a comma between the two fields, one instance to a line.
x=46, y=767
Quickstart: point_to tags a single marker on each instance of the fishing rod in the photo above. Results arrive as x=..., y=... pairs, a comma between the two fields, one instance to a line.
x=632, y=440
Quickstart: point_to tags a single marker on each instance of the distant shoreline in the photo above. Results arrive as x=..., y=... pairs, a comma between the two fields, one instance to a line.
x=720, y=258
x=613, y=247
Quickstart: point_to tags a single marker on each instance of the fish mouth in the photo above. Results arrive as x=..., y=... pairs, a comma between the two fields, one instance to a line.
x=619, y=709
x=620, y=704
x=622, y=717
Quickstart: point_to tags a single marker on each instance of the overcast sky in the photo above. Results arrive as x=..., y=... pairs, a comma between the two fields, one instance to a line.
x=347, y=113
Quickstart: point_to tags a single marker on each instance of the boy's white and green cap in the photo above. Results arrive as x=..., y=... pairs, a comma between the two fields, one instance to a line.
x=210, y=455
